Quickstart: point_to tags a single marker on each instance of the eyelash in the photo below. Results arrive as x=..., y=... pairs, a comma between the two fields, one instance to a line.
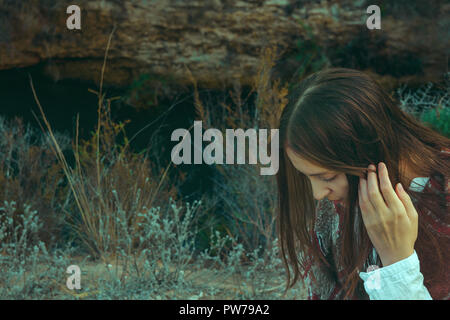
x=329, y=180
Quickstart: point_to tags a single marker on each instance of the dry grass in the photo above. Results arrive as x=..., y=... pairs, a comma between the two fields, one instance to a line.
x=110, y=186
x=30, y=175
x=249, y=198
x=108, y=178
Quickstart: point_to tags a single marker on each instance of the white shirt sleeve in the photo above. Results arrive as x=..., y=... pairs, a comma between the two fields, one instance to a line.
x=399, y=281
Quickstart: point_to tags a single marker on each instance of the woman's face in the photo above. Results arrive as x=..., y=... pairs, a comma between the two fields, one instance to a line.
x=324, y=182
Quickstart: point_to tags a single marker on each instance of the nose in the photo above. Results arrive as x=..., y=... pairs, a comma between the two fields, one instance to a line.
x=319, y=192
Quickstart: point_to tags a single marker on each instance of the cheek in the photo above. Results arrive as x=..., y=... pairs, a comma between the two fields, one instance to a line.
x=341, y=184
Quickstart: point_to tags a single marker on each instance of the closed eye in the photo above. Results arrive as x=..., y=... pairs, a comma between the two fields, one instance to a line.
x=330, y=179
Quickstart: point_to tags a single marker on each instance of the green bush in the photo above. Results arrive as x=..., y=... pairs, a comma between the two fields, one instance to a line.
x=438, y=119
x=429, y=104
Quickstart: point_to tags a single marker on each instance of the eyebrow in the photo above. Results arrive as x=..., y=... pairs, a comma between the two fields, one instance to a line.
x=318, y=174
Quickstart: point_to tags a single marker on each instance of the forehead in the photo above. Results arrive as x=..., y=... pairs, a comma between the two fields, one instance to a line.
x=303, y=165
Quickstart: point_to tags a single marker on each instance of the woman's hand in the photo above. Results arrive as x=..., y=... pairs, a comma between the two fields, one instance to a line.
x=392, y=222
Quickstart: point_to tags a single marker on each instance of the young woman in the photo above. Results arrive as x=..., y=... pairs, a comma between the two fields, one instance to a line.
x=363, y=193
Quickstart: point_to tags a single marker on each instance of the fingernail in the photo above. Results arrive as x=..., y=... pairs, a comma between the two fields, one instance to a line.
x=380, y=166
x=400, y=187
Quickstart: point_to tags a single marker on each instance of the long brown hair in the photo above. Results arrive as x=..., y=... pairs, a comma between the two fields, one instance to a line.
x=342, y=120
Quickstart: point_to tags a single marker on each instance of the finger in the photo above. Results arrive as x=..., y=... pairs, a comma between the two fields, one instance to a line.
x=407, y=202
x=388, y=192
x=373, y=191
x=363, y=198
